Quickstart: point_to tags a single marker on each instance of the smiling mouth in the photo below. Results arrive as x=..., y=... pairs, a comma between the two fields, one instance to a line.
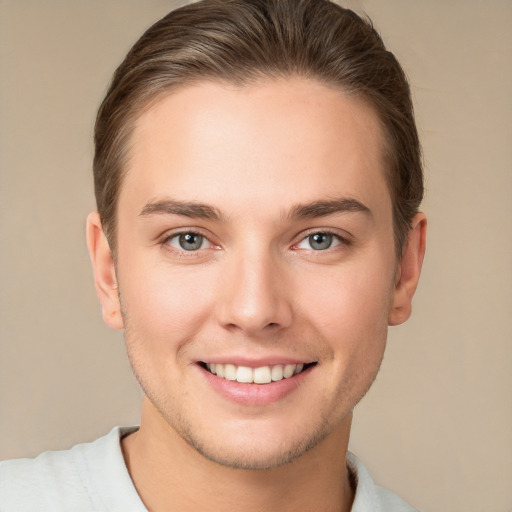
x=260, y=375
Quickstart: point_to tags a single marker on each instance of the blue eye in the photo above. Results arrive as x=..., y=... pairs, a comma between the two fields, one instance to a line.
x=319, y=241
x=188, y=241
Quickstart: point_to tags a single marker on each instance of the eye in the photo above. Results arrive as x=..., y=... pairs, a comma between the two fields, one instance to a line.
x=319, y=241
x=188, y=241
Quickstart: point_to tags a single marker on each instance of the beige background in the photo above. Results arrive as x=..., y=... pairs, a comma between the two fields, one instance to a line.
x=437, y=426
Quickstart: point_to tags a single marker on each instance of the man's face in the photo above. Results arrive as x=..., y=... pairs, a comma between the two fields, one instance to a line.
x=255, y=234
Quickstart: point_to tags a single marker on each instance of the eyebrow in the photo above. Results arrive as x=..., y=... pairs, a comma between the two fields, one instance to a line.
x=324, y=208
x=184, y=208
x=198, y=210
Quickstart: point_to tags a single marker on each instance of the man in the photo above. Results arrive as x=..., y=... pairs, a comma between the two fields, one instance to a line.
x=258, y=177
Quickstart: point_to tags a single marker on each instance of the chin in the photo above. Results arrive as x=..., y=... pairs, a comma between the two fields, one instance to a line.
x=252, y=445
x=259, y=457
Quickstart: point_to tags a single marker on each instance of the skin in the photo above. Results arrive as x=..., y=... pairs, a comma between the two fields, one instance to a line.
x=256, y=288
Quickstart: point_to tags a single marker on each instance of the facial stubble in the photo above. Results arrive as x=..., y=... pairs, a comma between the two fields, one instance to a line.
x=250, y=459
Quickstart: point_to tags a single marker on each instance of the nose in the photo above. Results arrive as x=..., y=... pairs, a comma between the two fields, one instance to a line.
x=255, y=298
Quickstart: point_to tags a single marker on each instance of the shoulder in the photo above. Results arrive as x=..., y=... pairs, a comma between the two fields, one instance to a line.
x=51, y=481
x=80, y=479
x=369, y=497
x=393, y=503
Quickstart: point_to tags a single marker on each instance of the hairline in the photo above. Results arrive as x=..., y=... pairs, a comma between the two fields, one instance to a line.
x=256, y=78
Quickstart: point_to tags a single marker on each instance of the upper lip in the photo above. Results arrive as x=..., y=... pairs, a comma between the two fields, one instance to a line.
x=256, y=362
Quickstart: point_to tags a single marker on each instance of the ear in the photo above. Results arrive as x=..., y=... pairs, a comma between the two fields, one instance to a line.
x=408, y=271
x=105, y=277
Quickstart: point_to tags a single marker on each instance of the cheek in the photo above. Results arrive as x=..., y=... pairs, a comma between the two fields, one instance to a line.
x=163, y=302
x=350, y=305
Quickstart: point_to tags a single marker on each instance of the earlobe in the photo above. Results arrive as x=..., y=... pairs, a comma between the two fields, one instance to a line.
x=105, y=277
x=408, y=271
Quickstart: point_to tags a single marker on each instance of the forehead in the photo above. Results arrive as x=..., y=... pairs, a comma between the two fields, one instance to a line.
x=275, y=142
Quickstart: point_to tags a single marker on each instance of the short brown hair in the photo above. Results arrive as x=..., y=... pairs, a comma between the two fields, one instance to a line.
x=241, y=41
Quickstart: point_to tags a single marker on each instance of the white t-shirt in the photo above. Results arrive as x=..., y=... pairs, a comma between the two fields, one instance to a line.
x=93, y=477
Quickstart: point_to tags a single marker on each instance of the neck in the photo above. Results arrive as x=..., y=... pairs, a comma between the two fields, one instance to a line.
x=169, y=474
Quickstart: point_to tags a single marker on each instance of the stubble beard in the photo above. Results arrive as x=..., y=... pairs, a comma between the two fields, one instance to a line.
x=249, y=460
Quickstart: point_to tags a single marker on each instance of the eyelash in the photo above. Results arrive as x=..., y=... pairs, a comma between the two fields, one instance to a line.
x=344, y=241
x=341, y=240
x=183, y=252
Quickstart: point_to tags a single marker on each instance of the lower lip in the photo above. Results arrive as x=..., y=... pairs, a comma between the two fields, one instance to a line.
x=255, y=394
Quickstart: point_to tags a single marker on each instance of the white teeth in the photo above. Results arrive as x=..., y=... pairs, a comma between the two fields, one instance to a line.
x=229, y=371
x=261, y=375
x=288, y=370
x=244, y=374
x=277, y=372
